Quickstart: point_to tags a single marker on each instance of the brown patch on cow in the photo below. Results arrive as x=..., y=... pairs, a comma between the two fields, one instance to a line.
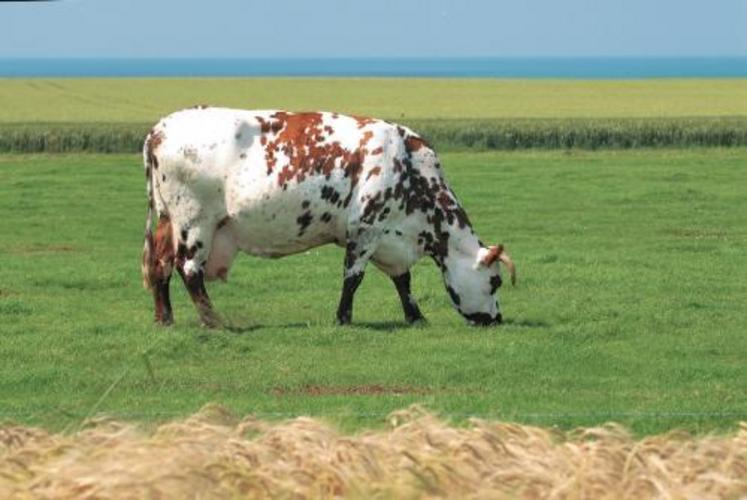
x=373, y=171
x=445, y=200
x=414, y=143
x=155, y=138
x=377, y=151
x=351, y=390
x=367, y=136
x=159, y=267
x=164, y=240
x=363, y=121
x=300, y=137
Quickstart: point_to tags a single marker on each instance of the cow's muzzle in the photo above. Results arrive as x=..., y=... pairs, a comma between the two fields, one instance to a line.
x=484, y=319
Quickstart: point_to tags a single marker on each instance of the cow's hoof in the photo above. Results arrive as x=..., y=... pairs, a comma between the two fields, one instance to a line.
x=343, y=321
x=166, y=321
x=417, y=321
x=211, y=321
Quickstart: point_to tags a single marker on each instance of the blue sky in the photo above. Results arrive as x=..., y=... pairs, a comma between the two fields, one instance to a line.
x=379, y=28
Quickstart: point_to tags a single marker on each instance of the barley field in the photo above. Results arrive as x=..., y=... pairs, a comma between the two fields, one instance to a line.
x=214, y=454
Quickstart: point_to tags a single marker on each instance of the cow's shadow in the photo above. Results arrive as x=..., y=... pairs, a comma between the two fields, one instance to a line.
x=239, y=328
x=387, y=326
x=380, y=326
x=525, y=323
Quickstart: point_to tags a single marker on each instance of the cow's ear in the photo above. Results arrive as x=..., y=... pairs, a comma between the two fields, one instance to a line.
x=487, y=256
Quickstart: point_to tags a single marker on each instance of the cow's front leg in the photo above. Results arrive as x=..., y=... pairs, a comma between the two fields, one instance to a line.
x=356, y=258
x=409, y=306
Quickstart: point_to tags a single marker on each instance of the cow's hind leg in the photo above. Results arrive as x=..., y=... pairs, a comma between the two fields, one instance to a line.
x=356, y=258
x=409, y=306
x=191, y=259
x=195, y=284
x=158, y=264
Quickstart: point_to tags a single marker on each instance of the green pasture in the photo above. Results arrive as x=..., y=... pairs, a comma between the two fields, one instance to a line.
x=630, y=305
x=145, y=100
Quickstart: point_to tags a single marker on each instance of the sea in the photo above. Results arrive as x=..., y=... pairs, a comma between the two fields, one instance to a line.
x=473, y=67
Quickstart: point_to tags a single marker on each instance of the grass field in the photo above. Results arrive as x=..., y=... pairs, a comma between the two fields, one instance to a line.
x=145, y=100
x=630, y=304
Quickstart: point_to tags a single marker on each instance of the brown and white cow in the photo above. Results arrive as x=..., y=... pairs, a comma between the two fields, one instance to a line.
x=274, y=183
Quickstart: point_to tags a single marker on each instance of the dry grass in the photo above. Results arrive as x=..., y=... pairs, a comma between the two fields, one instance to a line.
x=215, y=455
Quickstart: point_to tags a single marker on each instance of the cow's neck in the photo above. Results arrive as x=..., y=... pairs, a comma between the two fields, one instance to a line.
x=455, y=254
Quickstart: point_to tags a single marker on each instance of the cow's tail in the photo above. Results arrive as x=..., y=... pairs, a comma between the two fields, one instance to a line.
x=149, y=256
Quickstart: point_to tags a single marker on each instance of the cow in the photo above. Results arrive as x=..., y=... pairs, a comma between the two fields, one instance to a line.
x=275, y=183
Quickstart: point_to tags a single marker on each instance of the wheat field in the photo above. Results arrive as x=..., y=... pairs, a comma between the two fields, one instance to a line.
x=214, y=454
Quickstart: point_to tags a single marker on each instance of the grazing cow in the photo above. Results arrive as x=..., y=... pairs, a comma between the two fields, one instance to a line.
x=274, y=183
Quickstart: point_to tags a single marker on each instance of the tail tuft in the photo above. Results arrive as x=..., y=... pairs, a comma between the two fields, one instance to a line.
x=149, y=263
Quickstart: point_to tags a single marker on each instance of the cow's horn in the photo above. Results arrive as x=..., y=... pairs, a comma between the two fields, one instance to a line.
x=504, y=257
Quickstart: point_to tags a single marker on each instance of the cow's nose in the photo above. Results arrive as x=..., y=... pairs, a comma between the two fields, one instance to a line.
x=483, y=319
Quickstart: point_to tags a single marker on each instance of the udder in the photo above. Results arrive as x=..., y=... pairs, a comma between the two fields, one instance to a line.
x=396, y=253
x=222, y=253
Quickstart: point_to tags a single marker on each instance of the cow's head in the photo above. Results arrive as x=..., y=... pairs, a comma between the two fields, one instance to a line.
x=473, y=282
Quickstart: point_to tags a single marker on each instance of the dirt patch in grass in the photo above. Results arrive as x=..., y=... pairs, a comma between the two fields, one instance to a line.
x=41, y=249
x=699, y=234
x=217, y=455
x=349, y=390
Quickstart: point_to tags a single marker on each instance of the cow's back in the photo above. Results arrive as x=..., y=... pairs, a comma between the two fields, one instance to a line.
x=286, y=181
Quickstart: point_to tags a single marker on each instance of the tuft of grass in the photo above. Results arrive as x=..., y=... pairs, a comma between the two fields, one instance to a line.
x=630, y=304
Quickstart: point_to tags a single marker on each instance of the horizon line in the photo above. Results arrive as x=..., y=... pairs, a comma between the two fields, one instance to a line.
x=407, y=57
